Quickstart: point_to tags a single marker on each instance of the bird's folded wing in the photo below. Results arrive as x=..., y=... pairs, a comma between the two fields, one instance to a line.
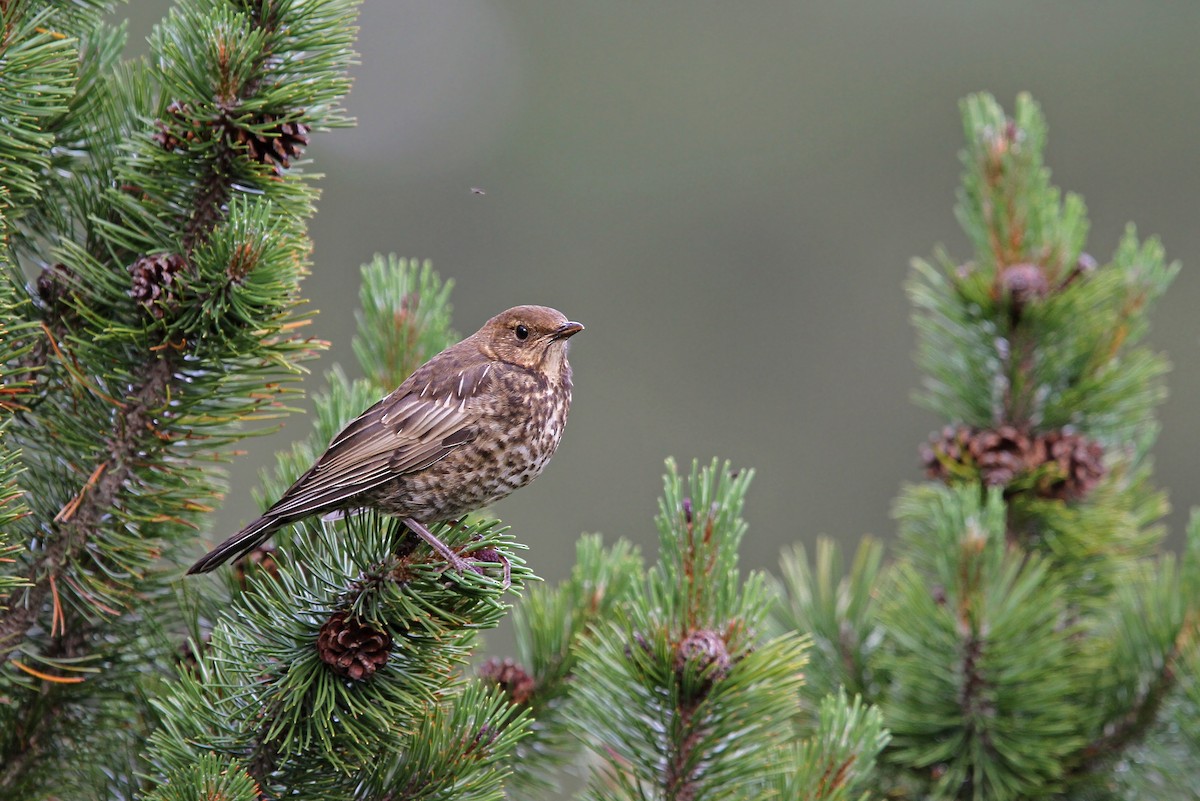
x=398, y=435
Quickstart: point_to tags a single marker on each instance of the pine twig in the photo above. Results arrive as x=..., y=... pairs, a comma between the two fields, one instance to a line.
x=1135, y=723
x=73, y=531
x=679, y=774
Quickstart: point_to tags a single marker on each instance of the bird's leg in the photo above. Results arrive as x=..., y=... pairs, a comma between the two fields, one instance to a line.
x=452, y=557
x=442, y=549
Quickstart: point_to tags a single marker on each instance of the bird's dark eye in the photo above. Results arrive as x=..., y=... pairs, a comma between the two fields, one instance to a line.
x=522, y=332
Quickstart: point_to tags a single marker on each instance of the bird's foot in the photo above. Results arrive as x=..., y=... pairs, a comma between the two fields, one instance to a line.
x=490, y=554
x=455, y=561
x=443, y=550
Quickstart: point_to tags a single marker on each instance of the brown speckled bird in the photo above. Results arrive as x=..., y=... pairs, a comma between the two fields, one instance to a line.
x=477, y=421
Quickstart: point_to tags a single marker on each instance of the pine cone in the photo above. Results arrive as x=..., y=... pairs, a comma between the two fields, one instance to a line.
x=494, y=556
x=153, y=280
x=352, y=648
x=703, y=653
x=178, y=129
x=1000, y=456
x=996, y=456
x=518, y=685
x=259, y=560
x=1085, y=265
x=275, y=146
x=950, y=446
x=1079, y=462
x=1004, y=454
x=55, y=286
x=1023, y=284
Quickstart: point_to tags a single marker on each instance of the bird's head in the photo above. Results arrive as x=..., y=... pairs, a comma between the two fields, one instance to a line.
x=534, y=337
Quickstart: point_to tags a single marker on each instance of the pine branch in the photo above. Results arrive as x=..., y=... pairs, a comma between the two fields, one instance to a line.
x=1028, y=638
x=335, y=667
x=986, y=668
x=837, y=762
x=1135, y=723
x=1148, y=640
x=464, y=735
x=839, y=611
x=403, y=319
x=12, y=509
x=680, y=697
x=75, y=522
x=207, y=778
x=15, y=388
x=39, y=75
x=135, y=433
x=166, y=323
x=550, y=627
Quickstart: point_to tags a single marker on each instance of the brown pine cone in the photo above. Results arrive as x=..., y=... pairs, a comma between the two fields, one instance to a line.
x=153, y=280
x=1000, y=456
x=1079, y=465
x=1004, y=454
x=275, y=146
x=352, y=648
x=259, y=560
x=178, y=129
x=950, y=446
x=995, y=457
x=517, y=684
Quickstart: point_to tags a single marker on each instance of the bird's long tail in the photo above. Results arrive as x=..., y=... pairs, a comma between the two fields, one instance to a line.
x=245, y=540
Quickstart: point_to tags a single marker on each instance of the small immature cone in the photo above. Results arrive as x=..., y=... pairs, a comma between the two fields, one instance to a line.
x=703, y=653
x=1085, y=265
x=1024, y=284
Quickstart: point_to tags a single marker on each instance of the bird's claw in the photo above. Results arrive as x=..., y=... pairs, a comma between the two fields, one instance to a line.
x=492, y=555
x=453, y=560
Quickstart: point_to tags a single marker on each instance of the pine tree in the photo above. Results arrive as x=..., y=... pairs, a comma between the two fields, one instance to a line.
x=665, y=680
x=685, y=698
x=1030, y=638
x=154, y=240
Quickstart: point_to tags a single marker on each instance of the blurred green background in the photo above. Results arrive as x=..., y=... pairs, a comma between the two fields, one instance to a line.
x=728, y=196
